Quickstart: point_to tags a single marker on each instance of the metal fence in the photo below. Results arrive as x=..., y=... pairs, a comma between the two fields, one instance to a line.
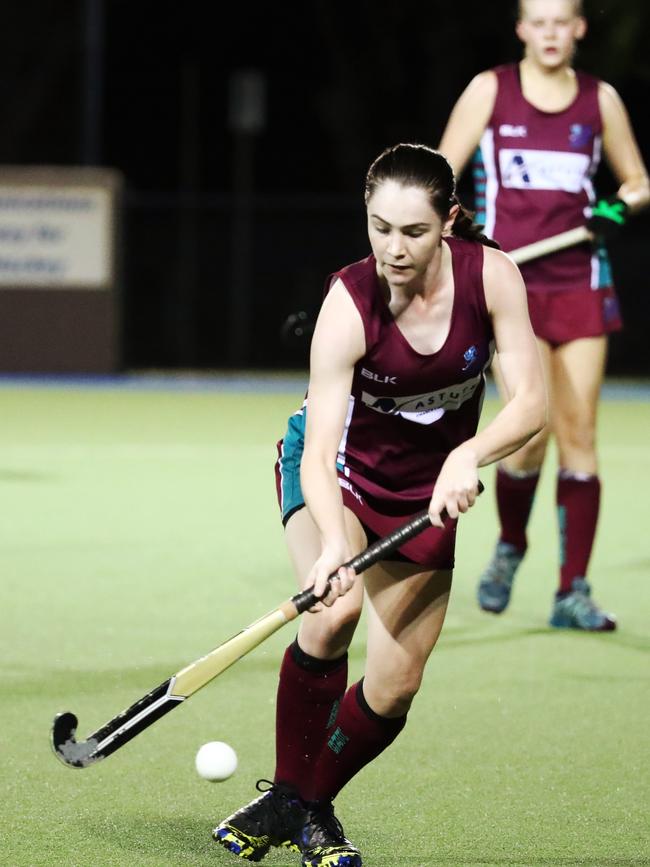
x=206, y=288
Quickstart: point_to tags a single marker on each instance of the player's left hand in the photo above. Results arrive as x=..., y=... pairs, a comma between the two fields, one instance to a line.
x=329, y=578
x=457, y=486
x=608, y=216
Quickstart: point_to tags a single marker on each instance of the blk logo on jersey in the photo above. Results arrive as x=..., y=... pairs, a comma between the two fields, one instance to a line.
x=509, y=130
x=377, y=377
x=344, y=483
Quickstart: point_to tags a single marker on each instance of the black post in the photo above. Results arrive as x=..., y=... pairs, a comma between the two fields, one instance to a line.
x=184, y=312
x=247, y=116
x=93, y=83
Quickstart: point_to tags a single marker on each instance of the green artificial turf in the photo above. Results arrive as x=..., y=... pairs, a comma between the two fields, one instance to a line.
x=139, y=529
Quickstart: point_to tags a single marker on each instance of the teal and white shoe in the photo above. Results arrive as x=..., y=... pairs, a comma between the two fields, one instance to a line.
x=577, y=610
x=495, y=584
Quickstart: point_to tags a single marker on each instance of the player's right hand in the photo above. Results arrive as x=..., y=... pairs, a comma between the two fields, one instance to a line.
x=608, y=217
x=456, y=487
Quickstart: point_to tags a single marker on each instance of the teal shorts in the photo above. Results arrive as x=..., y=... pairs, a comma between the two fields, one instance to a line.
x=287, y=467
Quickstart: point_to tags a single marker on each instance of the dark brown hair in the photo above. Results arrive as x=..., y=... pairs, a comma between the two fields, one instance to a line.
x=417, y=165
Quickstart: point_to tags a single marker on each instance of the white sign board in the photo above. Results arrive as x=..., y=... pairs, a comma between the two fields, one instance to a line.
x=56, y=235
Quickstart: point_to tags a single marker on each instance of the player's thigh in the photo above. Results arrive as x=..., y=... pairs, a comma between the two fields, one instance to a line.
x=405, y=612
x=578, y=370
x=328, y=632
x=303, y=540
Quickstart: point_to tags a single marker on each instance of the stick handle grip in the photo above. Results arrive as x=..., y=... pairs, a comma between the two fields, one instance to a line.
x=379, y=550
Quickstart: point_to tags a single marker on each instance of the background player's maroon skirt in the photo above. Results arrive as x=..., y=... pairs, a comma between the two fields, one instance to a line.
x=562, y=316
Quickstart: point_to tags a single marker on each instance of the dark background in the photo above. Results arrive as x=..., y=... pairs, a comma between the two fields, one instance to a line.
x=226, y=232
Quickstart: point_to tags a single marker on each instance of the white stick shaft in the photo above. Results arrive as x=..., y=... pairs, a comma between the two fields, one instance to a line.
x=551, y=245
x=197, y=674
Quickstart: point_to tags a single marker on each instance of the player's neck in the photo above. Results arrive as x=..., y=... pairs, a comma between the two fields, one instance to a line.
x=426, y=286
x=548, y=88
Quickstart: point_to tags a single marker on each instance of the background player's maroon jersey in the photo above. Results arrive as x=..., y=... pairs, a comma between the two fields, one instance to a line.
x=407, y=411
x=534, y=179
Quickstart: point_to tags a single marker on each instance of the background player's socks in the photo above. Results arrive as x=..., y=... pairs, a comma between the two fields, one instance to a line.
x=578, y=502
x=358, y=736
x=515, y=495
x=308, y=698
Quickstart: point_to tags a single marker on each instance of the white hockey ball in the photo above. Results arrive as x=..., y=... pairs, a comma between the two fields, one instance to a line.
x=216, y=761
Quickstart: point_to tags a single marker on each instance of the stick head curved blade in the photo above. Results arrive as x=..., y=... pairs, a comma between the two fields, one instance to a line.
x=66, y=748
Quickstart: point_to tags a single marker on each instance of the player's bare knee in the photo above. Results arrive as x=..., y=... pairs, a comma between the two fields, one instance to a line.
x=401, y=703
x=392, y=696
x=576, y=439
x=328, y=634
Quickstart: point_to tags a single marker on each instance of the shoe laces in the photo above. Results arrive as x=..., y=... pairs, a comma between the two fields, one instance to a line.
x=284, y=797
x=281, y=789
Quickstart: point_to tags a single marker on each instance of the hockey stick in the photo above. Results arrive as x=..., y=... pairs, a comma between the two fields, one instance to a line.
x=126, y=725
x=551, y=245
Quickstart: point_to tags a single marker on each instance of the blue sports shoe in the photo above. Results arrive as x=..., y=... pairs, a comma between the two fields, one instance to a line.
x=577, y=610
x=495, y=585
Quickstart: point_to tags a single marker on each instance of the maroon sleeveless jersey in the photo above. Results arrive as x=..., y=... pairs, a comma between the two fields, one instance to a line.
x=533, y=179
x=407, y=411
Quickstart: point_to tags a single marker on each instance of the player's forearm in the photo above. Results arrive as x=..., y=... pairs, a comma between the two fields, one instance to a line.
x=519, y=420
x=322, y=495
x=635, y=192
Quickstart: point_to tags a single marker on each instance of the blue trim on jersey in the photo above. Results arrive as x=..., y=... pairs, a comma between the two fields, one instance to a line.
x=480, y=185
x=605, y=276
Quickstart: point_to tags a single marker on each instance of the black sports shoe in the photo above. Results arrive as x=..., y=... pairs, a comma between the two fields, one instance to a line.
x=323, y=842
x=276, y=818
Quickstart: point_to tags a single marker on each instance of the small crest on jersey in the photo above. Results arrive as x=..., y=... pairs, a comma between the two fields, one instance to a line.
x=470, y=355
x=511, y=130
x=580, y=134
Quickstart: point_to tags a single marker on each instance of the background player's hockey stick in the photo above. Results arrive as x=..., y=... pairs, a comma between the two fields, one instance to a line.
x=551, y=245
x=183, y=684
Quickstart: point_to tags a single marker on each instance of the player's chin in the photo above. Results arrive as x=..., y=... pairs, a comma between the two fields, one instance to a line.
x=554, y=59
